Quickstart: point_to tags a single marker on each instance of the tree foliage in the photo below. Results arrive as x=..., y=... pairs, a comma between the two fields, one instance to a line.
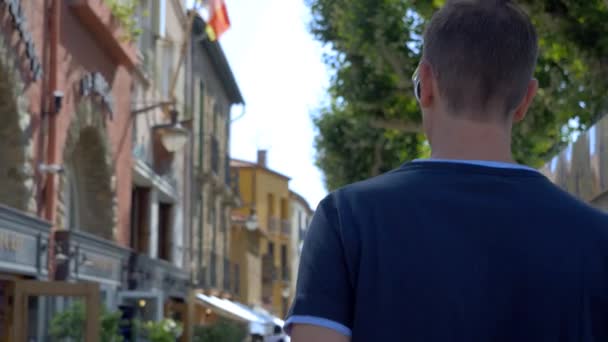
x=372, y=122
x=124, y=11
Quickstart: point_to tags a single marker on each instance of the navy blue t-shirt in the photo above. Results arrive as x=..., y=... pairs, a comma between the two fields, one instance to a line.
x=438, y=251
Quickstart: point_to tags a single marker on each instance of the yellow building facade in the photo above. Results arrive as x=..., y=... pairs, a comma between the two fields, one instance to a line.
x=261, y=236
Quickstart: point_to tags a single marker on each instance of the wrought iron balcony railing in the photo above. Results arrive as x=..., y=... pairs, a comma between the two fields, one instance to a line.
x=273, y=225
x=285, y=227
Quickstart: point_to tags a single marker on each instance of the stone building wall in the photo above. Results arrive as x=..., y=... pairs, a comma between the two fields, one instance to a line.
x=105, y=155
x=20, y=111
x=210, y=104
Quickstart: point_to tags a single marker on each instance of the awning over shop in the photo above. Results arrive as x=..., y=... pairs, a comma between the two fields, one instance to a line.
x=267, y=316
x=257, y=324
x=260, y=321
x=279, y=321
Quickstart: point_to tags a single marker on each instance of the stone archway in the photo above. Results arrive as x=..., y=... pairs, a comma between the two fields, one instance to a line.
x=17, y=188
x=87, y=201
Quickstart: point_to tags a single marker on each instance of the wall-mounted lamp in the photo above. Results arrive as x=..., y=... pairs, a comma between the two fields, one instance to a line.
x=173, y=135
x=61, y=255
x=85, y=261
x=252, y=222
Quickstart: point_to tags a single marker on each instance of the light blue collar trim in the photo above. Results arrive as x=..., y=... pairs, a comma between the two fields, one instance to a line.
x=486, y=163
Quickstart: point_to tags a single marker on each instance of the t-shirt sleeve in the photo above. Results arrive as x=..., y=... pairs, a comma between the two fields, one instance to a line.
x=324, y=293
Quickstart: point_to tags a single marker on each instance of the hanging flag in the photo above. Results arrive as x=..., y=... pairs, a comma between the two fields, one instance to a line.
x=218, y=19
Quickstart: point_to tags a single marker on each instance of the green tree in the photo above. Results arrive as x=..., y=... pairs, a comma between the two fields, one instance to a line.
x=124, y=11
x=371, y=123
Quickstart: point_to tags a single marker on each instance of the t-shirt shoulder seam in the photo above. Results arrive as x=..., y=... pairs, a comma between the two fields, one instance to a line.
x=473, y=169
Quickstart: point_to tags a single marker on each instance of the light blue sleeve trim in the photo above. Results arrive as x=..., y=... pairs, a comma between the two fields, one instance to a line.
x=317, y=321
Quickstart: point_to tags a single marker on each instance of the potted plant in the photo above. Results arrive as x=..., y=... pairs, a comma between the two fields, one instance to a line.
x=167, y=330
x=69, y=324
x=222, y=331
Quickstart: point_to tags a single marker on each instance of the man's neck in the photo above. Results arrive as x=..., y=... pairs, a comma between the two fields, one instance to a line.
x=469, y=140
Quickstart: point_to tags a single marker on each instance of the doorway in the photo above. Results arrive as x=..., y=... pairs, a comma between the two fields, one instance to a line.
x=40, y=305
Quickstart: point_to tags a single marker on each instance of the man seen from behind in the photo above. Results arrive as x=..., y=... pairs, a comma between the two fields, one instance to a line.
x=467, y=245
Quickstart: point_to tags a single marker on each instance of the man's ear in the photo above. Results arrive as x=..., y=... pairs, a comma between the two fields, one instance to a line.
x=427, y=85
x=522, y=109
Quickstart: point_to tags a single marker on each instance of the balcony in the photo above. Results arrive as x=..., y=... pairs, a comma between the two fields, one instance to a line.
x=233, y=181
x=231, y=194
x=269, y=271
x=285, y=227
x=273, y=225
x=97, y=16
x=147, y=273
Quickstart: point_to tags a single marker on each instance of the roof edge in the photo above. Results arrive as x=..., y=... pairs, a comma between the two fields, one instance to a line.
x=301, y=199
x=220, y=62
x=251, y=165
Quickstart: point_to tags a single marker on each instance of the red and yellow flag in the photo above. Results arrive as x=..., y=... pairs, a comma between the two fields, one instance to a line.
x=218, y=19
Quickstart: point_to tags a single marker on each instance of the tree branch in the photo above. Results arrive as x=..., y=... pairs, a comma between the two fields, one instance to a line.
x=392, y=57
x=396, y=63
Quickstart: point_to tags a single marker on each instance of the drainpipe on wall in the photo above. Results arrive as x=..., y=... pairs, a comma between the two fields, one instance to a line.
x=50, y=192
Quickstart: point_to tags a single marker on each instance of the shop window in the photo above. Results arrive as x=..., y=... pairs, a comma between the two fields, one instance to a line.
x=164, y=231
x=140, y=209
